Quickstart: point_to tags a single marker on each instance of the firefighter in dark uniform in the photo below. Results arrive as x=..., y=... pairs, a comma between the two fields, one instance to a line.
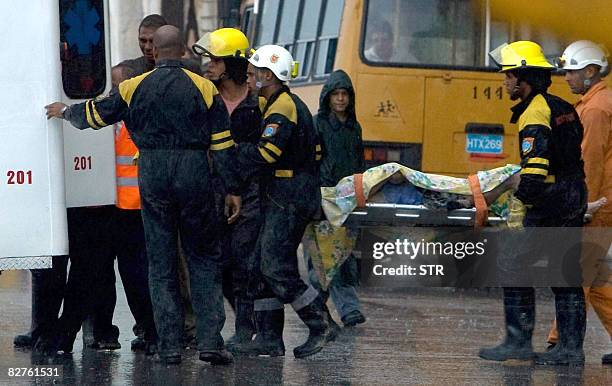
x=227, y=49
x=290, y=197
x=174, y=117
x=551, y=193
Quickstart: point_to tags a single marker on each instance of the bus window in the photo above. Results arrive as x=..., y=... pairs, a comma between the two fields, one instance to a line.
x=307, y=36
x=328, y=39
x=247, y=21
x=425, y=32
x=267, y=23
x=308, y=29
x=83, y=56
x=287, y=22
x=441, y=33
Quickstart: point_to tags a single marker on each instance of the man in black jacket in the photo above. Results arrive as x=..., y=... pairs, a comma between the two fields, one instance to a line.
x=285, y=153
x=174, y=117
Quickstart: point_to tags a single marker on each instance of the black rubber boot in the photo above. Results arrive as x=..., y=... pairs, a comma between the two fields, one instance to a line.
x=269, y=338
x=47, y=295
x=109, y=340
x=244, y=324
x=140, y=342
x=217, y=357
x=23, y=340
x=571, y=322
x=519, y=310
x=321, y=325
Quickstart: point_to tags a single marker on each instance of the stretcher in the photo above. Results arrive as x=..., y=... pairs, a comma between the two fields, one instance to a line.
x=380, y=214
x=361, y=201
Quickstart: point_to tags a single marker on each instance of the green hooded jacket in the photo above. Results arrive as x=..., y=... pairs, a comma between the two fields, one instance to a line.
x=341, y=141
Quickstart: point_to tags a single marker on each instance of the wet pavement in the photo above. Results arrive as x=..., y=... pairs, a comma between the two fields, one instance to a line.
x=411, y=337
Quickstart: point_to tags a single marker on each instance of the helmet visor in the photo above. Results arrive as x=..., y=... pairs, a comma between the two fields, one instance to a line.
x=507, y=58
x=203, y=46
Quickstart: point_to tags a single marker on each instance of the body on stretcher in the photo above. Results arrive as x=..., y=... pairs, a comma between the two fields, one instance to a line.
x=394, y=195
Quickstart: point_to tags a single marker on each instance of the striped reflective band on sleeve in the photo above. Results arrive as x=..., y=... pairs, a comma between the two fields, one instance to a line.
x=273, y=148
x=93, y=117
x=221, y=135
x=88, y=115
x=97, y=116
x=222, y=140
x=536, y=165
x=536, y=171
x=264, y=153
x=222, y=145
x=538, y=160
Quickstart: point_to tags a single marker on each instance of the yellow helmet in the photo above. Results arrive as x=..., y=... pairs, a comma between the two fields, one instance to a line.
x=222, y=43
x=521, y=54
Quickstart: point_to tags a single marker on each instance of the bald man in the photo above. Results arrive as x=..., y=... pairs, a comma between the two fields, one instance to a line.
x=174, y=117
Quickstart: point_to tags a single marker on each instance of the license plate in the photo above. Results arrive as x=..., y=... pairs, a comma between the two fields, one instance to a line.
x=484, y=143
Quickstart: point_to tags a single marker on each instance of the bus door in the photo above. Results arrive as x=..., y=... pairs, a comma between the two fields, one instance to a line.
x=32, y=196
x=89, y=158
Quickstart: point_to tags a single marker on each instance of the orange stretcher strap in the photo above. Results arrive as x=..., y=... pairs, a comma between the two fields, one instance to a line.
x=482, y=211
x=358, y=181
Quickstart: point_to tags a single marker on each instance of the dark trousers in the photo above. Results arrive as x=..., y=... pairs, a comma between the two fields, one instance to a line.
x=274, y=265
x=243, y=240
x=566, y=209
x=177, y=200
x=47, y=294
x=129, y=247
x=91, y=279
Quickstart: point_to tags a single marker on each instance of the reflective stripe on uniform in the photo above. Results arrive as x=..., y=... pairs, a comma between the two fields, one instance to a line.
x=89, y=116
x=283, y=173
x=537, y=171
x=273, y=148
x=264, y=153
x=305, y=299
x=127, y=181
x=267, y=304
x=538, y=160
x=221, y=135
x=97, y=116
x=550, y=179
x=127, y=160
x=222, y=145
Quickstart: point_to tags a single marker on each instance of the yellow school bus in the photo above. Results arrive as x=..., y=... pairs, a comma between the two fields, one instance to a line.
x=427, y=94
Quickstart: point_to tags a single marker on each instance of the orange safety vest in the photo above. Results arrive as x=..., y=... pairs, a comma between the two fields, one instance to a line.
x=128, y=196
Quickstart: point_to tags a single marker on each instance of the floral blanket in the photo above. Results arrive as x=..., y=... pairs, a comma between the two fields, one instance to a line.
x=329, y=244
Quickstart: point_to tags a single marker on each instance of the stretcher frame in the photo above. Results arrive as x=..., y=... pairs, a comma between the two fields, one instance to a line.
x=384, y=214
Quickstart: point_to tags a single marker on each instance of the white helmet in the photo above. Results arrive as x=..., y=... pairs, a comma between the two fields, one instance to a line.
x=277, y=59
x=581, y=53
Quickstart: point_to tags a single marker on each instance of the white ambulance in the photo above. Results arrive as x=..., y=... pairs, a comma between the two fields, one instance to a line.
x=52, y=50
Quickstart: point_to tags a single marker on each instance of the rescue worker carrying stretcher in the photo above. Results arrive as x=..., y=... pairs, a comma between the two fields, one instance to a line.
x=174, y=117
x=290, y=197
x=551, y=193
